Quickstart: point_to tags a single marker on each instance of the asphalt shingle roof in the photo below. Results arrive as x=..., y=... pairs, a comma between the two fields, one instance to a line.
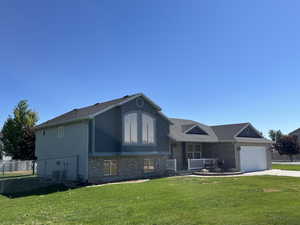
x=83, y=112
x=177, y=131
x=297, y=131
x=227, y=132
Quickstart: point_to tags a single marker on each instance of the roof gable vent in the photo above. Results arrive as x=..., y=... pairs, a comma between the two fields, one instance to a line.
x=249, y=132
x=196, y=130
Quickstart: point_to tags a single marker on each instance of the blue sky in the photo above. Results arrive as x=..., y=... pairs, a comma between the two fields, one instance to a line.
x=213, y=61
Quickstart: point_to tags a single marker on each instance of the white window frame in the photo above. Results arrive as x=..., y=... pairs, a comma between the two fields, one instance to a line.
x=193, y=150
x=131, y=142
x=142, y=131
x=110, y=169
x=147, y=165
x=60, y=132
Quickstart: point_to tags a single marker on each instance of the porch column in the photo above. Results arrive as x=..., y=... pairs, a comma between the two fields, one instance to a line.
x=184, y=159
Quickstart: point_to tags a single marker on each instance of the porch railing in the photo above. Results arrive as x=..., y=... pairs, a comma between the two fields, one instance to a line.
x=171, y=165
x=201, y=163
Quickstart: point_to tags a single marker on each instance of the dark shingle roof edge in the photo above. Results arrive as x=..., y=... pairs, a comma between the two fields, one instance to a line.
x=89, y=112
x=297, y=131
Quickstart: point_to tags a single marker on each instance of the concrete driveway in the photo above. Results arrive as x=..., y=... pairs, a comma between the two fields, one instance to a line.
x=287, y=163
x=274, y=172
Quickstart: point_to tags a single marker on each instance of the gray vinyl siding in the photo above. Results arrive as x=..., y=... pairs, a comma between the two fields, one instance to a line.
x=72, y=149
x=221, y=151
x=161, y=131
x=91, y=135
x=178, y=155
x=109, y=131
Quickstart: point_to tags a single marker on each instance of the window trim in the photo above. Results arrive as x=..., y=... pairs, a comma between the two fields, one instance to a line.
x=110, y=168
x=123, y=128
x=139, y=129
x=193, y=150
x=60, y=131
x=151, y=171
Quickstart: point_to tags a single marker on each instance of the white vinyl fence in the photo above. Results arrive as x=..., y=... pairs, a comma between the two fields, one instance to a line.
x=201, y=163
x=7, y=166
x=171, y=165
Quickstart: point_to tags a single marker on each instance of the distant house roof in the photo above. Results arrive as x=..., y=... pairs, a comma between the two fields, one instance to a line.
x=181, y=126
x=90, y=111
x=297, y=131
x=230, y=132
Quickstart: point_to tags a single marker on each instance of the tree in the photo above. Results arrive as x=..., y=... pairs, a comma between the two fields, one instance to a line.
x=287, y=145
x=18, y=135
x=275, y=134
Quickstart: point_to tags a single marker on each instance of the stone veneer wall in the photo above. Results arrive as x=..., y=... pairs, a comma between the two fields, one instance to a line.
x=129, y=167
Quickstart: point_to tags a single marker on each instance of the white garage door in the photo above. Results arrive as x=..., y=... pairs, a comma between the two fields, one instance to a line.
x=253, y=158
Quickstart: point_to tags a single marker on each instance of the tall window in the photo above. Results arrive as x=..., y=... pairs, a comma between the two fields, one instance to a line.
x=147, y=129
x=110, y=168
x=130, y=128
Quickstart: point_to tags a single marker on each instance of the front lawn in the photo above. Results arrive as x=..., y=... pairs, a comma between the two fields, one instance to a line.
x=286, y=167
x=257, y=200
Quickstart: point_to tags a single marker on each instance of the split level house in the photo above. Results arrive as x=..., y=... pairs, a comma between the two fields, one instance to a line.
x=130, y=138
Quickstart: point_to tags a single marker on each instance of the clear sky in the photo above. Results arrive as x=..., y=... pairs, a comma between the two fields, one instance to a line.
x=216, y=62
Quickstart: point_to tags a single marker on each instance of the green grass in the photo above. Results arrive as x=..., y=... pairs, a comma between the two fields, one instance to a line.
x=257, y=200
x=286, y=167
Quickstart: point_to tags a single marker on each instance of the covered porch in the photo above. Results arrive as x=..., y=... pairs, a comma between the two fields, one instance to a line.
x=209, y=155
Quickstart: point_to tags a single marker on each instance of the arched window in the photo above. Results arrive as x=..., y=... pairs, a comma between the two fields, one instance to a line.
x=130, y=128
x=148, y=132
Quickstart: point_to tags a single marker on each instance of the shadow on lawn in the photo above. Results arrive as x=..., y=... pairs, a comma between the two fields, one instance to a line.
x=28, y=186
x=39, y=191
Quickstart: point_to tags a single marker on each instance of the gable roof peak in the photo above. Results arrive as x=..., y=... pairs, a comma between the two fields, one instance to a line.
x=89, y=112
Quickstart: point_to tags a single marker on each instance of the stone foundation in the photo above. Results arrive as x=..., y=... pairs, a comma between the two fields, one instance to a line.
x=128, y=168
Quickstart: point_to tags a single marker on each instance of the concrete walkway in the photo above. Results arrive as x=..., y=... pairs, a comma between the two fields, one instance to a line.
x=274, y=172
x=287, y=163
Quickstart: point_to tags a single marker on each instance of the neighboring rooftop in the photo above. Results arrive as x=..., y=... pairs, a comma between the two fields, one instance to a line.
x=297, y=131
